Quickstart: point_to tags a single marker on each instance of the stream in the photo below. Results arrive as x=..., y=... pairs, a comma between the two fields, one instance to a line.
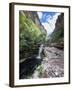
x=51, y=65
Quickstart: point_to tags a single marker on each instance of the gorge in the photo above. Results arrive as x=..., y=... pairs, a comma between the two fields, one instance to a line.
x=40, y=57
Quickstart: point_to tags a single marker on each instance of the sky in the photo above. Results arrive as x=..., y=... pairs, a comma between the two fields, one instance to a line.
x=48, y=20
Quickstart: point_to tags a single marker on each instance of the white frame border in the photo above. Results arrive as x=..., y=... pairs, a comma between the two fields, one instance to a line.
x=16, y=44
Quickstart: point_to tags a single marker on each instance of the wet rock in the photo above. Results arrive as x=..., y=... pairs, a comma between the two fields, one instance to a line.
x=52, y=64
x=28, y=66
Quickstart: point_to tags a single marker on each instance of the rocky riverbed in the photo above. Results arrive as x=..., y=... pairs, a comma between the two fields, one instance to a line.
x=52, y=65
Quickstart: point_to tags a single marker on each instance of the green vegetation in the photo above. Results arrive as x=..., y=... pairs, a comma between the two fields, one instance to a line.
x=58, y=36
x=40, y=70
x=30, y=36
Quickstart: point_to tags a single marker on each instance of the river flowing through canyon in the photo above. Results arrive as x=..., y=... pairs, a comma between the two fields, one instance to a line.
x=41, y=49
x=52, y=64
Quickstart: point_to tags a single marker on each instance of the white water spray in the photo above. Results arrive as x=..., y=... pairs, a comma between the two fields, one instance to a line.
x=40, y=51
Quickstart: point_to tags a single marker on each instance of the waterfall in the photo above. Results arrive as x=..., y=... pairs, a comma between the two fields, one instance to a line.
x=41, y=48
x=40, y=51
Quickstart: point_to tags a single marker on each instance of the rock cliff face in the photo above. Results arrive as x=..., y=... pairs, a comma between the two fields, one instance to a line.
x=59, y=23
x=58, y=34
x=31, y=35
x=34, y=17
